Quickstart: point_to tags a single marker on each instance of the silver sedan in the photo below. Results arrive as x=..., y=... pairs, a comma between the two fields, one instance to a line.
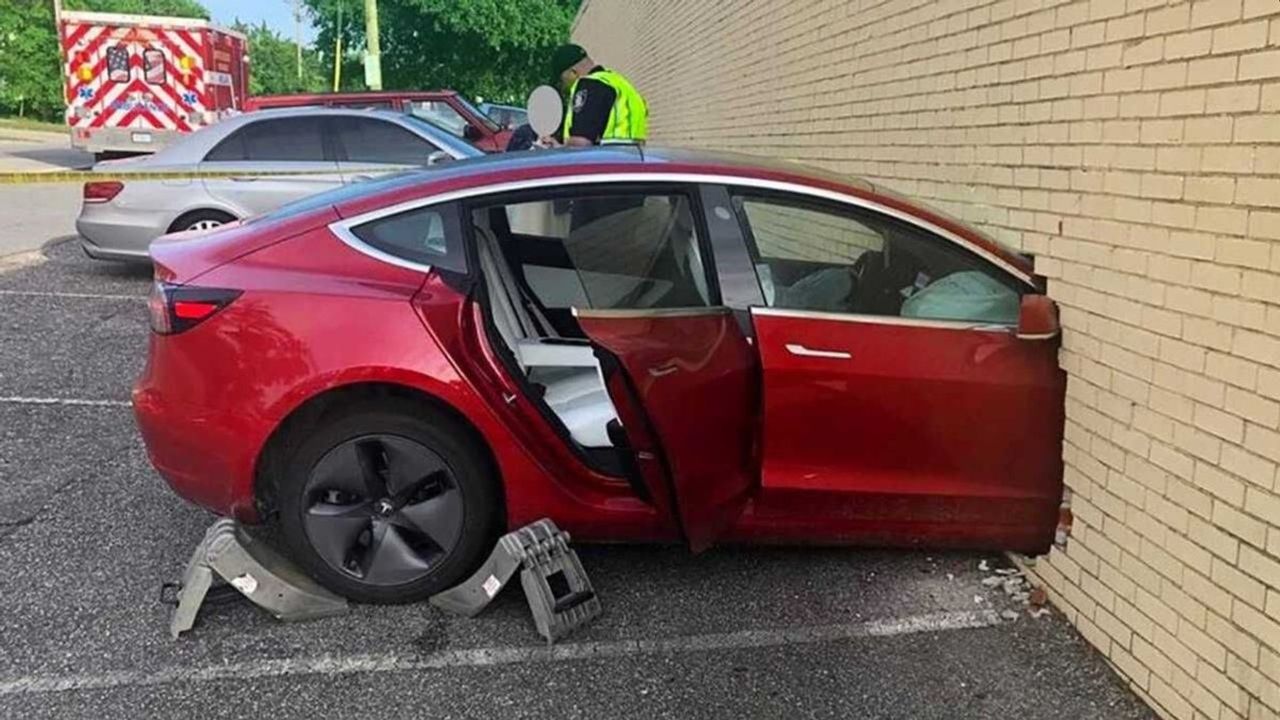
x=119, y=219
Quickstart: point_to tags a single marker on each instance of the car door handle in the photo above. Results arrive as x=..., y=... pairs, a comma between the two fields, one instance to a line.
x=241, y=178
x=663, y=370
x=803, y=351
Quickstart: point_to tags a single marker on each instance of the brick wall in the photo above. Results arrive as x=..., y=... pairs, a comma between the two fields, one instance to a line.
x=1134, y=147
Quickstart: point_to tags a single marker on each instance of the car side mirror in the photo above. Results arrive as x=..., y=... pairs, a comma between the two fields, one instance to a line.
x=1038, y=318
x=437, y=157
x=471, y=133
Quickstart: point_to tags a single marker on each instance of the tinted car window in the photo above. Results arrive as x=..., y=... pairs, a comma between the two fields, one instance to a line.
x=427, y=236
x=281, y=140
x=378, y=141
x=835, y=259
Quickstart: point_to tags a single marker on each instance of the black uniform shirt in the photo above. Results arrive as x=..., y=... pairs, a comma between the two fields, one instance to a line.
x=591, y=104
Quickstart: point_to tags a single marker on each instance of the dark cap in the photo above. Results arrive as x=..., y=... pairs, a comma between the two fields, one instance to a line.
x=565, y=57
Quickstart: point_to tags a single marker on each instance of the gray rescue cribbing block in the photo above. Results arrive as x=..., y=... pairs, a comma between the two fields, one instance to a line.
x=229, y=554
x=557, y=587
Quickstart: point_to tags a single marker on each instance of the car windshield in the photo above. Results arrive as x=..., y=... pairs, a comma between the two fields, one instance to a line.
x=484, y=118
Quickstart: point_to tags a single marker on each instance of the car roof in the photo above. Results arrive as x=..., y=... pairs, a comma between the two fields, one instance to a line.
x=285, y=99
x=626, y=159
x=192, y=148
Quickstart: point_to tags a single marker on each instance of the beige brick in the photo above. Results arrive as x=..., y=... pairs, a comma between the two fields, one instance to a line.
x=1261, y=285
x=1264, y=224
x=1227, y=220
x=1240, y=585
x=1124, y=28
x=1235, y=38
x=1171, y=700
x=1214, y=12
x=1215, y=541
x=1182, y=102
x=1255, y=346
x=1254, y=408
x=1270, y=97
x=1246, y=253
x=1228, y=159
x=1266, y=630
x=1262, y=504
x=1209, y=189
x=1265, y=443
x=1269, y=383
x=1257, y=8
x=1231, y=369
x=1233, y=98
x=1253, y=468
x=1258, y=191
x=1259, y=565
x=1228, y=489
x=1148, y=50
x=1164, y=77
x=1237, y=523
x=1188, y=45
x=1169, y=19
x=1260, y=65
x=1210, y=71
x=1208, y=129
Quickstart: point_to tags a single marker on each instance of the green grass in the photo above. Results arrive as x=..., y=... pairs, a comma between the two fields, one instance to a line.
x=29, y=124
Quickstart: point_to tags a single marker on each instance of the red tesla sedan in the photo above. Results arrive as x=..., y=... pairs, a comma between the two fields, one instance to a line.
x=642, y=345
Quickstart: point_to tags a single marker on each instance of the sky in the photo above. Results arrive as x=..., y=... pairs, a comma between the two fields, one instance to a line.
x=278, y=14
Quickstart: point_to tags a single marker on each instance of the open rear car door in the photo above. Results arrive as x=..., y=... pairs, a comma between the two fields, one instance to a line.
x=685, y=383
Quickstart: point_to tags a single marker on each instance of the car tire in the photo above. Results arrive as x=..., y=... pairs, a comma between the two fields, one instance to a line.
x=201, y=220
x=345, y=557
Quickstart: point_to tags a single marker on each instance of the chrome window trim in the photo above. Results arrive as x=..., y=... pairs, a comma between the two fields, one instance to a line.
x=692, y=178
x=604, y=313
x=346, y=236
x=884, y=320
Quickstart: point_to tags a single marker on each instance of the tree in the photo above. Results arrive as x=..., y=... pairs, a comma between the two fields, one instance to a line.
x=274, y=63
x=31, y=61
x=497, y=49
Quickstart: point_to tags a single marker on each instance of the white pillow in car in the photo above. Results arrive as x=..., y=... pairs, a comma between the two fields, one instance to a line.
x=830, y=289
x=968, y=295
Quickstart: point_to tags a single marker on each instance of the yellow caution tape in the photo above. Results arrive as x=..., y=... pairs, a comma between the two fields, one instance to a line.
x=64, y=176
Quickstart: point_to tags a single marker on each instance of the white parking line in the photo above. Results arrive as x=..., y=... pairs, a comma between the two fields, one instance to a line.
x=78, y=296
x=12, y=400
x=327, y=665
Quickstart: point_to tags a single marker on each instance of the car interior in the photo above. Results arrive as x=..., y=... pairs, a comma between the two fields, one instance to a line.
x=807, y=259
x=543, y=258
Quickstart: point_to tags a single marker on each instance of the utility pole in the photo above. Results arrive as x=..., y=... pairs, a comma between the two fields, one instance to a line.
x=297, y=36
x=337, y=50
x=373, y=52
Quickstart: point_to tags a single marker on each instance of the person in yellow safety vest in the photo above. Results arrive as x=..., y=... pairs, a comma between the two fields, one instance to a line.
x=603, y=106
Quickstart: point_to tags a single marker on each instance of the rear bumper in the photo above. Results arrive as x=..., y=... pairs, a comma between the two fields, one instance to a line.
x=112, y=233
x=207, y=456
x=129, y=140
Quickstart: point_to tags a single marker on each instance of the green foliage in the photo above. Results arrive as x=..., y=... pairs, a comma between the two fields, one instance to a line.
x=30, y=60
x=496, y=49
x=273, y=68
x=167, y=8
x=30, y=67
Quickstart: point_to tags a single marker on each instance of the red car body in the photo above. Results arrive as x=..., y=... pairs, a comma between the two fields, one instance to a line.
x=746, y=424
x=479, y=129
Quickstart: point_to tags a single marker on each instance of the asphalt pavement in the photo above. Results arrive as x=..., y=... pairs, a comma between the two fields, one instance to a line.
x=88, y=532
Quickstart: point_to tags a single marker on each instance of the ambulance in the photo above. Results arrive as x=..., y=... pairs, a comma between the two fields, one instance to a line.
x=136, y=82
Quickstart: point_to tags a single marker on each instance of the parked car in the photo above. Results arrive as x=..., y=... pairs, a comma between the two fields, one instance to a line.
x=119, y=218
x=444, y=108
x=508, y=116
x=655, y=346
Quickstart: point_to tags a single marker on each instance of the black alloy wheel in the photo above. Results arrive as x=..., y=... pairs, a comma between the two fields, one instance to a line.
x=382, y=509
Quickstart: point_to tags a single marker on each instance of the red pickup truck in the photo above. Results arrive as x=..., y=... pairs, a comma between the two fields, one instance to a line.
x=444, y=108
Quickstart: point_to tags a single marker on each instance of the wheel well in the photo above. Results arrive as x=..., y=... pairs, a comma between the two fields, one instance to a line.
x=312, y=411
x=185, y=217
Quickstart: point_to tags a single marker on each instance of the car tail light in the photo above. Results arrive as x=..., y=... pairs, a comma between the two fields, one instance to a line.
x=100, y=192
x=178, y=308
